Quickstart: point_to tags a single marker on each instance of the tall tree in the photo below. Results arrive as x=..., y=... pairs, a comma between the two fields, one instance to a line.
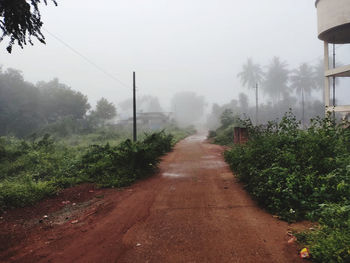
x=105, y=110
x=276, y=80
x=227, y=118
x=25, y=108
x=59, y=100
x=303, y=81
x=20, y=20
x=251, y=76
x=19, y=104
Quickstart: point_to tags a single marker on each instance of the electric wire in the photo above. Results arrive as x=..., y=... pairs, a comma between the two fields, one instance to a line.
x=87, y=59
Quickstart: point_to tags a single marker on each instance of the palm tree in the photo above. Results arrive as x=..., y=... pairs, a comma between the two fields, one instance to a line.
x=276, y=79
x=251, y=76
x=303, y=81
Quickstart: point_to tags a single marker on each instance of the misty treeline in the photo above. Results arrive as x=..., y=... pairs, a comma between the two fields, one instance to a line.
x=53, y=107
x=26, y=108
x=283, y=88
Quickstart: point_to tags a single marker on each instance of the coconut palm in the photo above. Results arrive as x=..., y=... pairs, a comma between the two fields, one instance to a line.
x=251, y=76
x=276, y=80
x=303, y=81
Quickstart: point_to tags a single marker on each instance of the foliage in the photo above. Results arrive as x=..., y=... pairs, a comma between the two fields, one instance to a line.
x=22, y=192
x=25, y=108
x=123, y=164
x=33, y=169
x=286, y=88
x=276, y=79
x=303, y=81
x=29, y=170
x=251, y=74
x=224, y=135
x=68, y=127
x=227, y=118
x=57, y=101
x=331, y=242
x=20, y=20
x=301, y=174
x=105, y=110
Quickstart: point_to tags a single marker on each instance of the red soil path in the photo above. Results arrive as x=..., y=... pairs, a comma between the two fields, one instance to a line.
x=192, y=211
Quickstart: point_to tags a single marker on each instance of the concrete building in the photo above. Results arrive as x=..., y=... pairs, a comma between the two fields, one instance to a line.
x=333, y=28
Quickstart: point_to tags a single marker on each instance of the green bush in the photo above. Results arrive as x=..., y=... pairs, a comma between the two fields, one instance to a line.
x=31, y=170
x=301, y=174
x=331, y=242
x=123, y=164
x=291, y=171
x=224, y=135
x=22, y=192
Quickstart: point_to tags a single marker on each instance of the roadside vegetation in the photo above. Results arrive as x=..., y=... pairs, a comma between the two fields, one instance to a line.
x=224, y=134
x=300, y=174
x=33, y=169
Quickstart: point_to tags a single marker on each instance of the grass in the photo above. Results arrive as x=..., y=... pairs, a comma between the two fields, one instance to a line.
x=33, y=169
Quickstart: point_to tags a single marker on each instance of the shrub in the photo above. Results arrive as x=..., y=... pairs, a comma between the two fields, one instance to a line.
x=301, y=174
x=123, y=164
x=31, y=170
x=19, y=193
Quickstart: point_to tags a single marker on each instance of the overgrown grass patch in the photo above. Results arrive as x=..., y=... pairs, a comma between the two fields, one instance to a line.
x=23, y=191
x=39, y=167
x=123, y=164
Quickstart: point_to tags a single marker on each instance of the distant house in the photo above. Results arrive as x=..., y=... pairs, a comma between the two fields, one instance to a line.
x=150, y=120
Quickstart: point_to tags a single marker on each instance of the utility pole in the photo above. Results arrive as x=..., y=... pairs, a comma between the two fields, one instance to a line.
x=134, y=107
x=257, y=104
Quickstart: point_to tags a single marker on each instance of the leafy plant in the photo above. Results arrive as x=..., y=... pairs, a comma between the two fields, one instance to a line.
x=33, y=169
x=301, y=174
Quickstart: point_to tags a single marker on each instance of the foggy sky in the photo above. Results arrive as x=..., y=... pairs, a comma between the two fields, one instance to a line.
x=192, y=45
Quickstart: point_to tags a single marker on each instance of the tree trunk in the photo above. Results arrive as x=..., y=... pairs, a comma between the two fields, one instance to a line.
x=257, y=105
x=303, y=108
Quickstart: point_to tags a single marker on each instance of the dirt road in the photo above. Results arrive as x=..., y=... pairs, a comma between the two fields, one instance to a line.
x=192, y=211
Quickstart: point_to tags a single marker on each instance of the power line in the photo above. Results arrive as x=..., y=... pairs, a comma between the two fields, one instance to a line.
x=87, y=59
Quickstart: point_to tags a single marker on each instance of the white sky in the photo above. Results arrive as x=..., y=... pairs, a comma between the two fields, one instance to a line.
x=195, y=45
